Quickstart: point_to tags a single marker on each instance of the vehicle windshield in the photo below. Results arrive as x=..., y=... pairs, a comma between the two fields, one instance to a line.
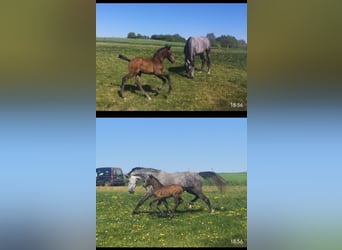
x=103, y=172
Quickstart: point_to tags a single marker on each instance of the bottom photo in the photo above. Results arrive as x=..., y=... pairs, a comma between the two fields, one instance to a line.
x=171, y=182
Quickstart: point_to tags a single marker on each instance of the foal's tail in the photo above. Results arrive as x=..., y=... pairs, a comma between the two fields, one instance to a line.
x=124, y=58
x=219, y=181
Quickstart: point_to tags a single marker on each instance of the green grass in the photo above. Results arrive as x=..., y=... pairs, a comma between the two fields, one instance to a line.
x=225, y=89
x=227, y=227
x=138, y=41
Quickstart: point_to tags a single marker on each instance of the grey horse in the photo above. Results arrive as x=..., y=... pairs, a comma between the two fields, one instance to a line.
x=190, y=181
x=196, y=46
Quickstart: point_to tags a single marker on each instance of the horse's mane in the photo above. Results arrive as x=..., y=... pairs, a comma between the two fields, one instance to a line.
x=153, y=177
x=166, y=47
x=147, y=169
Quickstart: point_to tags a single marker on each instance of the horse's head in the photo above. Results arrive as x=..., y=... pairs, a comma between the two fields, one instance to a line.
x=169, y=54
x=189, y=68
x=132, y=182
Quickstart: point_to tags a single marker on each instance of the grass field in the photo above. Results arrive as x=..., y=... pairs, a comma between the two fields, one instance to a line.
x=225, y=89
x=227, y=227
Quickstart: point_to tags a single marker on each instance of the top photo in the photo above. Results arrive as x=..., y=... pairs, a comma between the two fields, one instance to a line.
x=171, y=57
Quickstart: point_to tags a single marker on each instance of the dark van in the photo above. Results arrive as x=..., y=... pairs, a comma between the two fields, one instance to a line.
x=109, y=177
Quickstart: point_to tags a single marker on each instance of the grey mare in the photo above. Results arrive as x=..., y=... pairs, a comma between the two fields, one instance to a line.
x=196, y=46
x=190, y=181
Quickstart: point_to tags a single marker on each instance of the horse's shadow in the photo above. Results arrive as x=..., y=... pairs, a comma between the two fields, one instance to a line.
x=179, y=70
x=166, y=214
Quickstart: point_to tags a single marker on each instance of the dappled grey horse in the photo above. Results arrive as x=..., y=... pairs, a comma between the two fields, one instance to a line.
x=190, y=181
x=196, y=46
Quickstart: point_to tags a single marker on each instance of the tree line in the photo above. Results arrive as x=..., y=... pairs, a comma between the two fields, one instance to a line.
x=225, y=41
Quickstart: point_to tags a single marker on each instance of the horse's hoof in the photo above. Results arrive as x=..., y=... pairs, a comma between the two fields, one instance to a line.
x=149, y=98
x=134, y=212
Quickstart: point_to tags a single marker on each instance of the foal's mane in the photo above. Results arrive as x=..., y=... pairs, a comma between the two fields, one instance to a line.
x=159, y=50
x=153, y=177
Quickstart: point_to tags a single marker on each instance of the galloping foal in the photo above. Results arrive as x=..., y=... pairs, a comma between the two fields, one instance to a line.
x=161, y=192
x=154, y=65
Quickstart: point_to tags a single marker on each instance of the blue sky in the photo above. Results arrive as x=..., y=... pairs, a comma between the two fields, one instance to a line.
x=172, y=144
x=117, y=20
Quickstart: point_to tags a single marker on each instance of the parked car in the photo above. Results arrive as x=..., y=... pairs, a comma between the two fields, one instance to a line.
x=109, y=177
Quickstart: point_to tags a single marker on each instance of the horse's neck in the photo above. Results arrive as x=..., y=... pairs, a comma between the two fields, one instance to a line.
x=159, y=59
x=157, y=184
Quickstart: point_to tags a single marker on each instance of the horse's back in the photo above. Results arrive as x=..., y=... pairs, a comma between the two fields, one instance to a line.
x=168, y=191
x=196, y=45
x=200, y=42
x=145, y=65
x=185, y=179
x=177, y=188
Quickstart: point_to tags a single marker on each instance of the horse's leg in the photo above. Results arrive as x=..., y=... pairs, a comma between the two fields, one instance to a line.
x=176, y=200
x=180, y=200
x=207, y=201
x=151, y=210
x=192, y=69
x=199, y=194
x=137, y=82
x=124, y=80
x=141, y=201
x=164, y=78
x=158, y=206
x=202, y=61
x=165, y=204
x=193, y=200
x=208, y=60
x=169, y=82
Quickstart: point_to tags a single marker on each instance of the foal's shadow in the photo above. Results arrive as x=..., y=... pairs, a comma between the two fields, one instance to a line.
x=135, y=89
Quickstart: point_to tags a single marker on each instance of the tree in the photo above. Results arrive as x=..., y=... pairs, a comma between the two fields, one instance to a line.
x=131, y=35
x=242, y=44
x=212, y=39
x=228, y=41
x=168, y=37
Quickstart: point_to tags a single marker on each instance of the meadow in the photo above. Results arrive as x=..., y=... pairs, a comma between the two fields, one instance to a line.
x=225, y=89
x=195, y=227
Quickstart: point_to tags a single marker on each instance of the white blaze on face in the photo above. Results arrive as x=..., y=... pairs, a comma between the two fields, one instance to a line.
x=132, y=182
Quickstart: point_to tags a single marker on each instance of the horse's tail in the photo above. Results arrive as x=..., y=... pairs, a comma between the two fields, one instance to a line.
x=124, y=58
x=219, y=181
